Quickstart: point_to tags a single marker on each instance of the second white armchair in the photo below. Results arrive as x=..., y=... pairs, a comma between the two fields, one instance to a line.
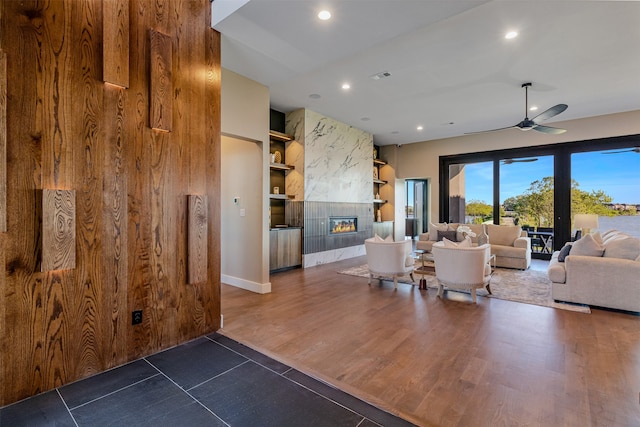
x=462, y=268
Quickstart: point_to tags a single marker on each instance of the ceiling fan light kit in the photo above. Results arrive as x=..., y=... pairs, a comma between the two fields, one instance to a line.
x=535, y=123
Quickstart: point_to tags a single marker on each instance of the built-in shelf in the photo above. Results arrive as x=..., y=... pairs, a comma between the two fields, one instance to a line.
x=379, y=181
x=281, y=166
x=279, y=136
x=379, y=162
x=379, y=201
x=281, y=196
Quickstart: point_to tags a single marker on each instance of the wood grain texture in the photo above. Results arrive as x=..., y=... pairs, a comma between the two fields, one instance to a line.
x=160, y=63
x=198, y=231
x=116, y=42
x=3, y=141
x=114, y=234
x=445, y=362
x=67, y=129
x=58, y=229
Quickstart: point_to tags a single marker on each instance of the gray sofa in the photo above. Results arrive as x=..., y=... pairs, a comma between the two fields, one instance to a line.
x=607, y=274
x=509, y=244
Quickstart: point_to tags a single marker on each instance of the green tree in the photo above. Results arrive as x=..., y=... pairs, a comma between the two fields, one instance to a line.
x=480, y=211
x=535, y=206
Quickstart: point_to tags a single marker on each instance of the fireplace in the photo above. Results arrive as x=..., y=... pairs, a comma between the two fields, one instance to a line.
x=343, y=224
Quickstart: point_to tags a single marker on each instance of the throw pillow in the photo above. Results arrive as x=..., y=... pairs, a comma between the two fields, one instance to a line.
x=433, y=230
x=389, y=238
x=465, y=243
x=598, y=237
x=449, y=244
x=451, y=235
x=587, y=246
x=377, y=238
x=625, y=248
x=564, y=252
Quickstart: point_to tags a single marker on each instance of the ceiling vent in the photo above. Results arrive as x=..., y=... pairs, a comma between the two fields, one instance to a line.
x=381, y=75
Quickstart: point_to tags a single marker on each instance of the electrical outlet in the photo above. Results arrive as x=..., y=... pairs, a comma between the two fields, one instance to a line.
x=136, y=317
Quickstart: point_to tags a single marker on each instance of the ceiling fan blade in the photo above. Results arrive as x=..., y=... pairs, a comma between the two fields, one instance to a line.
x=490, y=130
x=549, y=130
x=631, y=150
x=546, y=115
x=510, y=161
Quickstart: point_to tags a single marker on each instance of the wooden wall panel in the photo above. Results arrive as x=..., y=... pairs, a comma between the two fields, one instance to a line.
x=3, y=142
x=160, y=62
x=197, y=252
x=211, y=295
x=58, y=230
x=114, y=234
x=116, y=42
x=131, y=185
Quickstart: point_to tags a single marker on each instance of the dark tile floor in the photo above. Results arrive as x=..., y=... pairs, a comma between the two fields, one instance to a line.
x=211, y=381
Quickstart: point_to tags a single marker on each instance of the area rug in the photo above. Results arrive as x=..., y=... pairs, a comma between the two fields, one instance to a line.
x=529, y=287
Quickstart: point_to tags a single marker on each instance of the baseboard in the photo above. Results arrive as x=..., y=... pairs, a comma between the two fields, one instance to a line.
x=259, y=288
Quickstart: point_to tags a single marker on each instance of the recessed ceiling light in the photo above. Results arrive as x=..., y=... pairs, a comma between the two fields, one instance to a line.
x=419, y=128
x=511, y=35
x=533, y=108
x=324, y=15
x=346, y=86
x=365, y=119
x=394, y=132
x=315, y=96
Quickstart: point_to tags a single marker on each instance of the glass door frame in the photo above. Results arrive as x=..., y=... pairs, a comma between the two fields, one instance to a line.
x=561, y=153
x=423, y=214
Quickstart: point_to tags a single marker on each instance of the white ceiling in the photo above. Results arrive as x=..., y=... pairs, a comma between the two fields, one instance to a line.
x=448, y=59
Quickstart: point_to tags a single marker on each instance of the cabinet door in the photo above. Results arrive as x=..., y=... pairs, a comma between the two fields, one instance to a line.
x=273, y=249
x=294, y=249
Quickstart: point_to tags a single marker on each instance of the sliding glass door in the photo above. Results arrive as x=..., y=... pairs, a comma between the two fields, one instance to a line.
x=471, y=193
x=542, y=188
x=527, y=198
x=606, y=184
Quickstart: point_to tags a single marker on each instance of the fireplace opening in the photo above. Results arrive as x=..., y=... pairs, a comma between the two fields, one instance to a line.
x=343, y=225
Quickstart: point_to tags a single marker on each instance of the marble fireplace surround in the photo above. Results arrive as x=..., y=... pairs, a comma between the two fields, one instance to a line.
x=332, y=177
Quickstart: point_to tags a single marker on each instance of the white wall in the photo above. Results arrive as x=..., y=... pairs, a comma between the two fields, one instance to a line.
x=421, y=159
x=245, y=174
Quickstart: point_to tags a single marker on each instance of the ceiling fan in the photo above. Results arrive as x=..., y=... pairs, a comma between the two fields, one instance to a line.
x=630, y=150
x=510, y=161
x=528, y=124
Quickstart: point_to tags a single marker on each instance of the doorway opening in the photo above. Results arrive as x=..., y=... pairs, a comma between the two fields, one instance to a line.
x=416, y=212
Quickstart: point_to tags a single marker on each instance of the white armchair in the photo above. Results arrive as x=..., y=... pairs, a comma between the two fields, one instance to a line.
x=463, y=268
x=389, y=259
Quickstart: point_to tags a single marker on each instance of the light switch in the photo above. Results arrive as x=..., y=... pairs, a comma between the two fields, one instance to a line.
x=242, y=212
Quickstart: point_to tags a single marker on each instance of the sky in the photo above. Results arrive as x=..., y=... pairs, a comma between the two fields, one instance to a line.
x=618, y=175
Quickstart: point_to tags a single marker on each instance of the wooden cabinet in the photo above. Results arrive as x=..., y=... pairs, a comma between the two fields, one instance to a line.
x=285, y=248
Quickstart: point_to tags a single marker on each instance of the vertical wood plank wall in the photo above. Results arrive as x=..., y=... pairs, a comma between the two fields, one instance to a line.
x=67, y=129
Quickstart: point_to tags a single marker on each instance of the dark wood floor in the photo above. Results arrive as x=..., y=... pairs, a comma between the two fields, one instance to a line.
x=445, y=362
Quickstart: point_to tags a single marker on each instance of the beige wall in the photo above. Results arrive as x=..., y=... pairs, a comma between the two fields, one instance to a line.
x=245, y=174
x=421, y=160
